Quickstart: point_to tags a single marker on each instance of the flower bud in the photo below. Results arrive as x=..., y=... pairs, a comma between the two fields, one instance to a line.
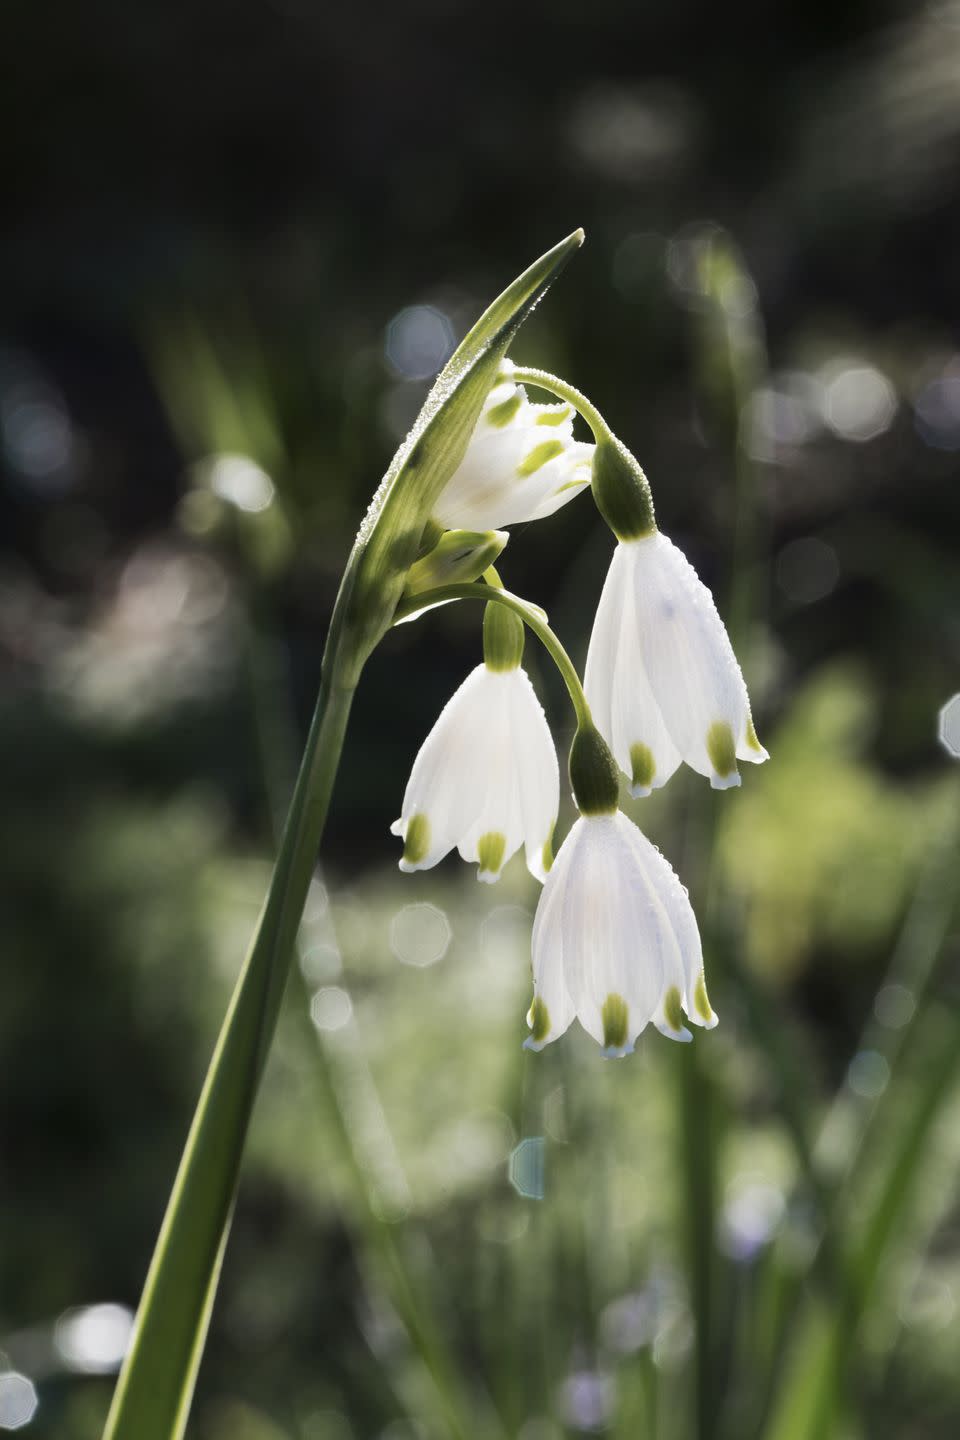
x=458, y=557
x=621, y=490
x=593, y=773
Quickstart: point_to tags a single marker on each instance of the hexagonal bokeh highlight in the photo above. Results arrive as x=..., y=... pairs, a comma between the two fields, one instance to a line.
x=948, y=727
x=331, y=1008
x=18, y=1400
x=525, y=1167
x=420, y=935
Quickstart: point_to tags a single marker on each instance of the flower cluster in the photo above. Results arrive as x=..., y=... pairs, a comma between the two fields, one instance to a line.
x=522, y=463
x=615, y=940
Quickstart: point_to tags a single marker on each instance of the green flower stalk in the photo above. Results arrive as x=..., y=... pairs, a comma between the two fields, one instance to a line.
x=155, y=1388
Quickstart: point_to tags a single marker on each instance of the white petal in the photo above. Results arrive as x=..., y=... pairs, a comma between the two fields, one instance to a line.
x=619, y=948
x=689, y=660
x=749, y=747
x=486, y=779
x=602, y=651
x=445, y=781
x=558, y=483
x=552, y=1009
x=617, y=688
x=537, y=770
x=519, y=465
x=683, y=922
x=496, y=823
x=640, y=739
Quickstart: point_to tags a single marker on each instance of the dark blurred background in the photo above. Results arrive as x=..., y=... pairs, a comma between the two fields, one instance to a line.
x=240, y=241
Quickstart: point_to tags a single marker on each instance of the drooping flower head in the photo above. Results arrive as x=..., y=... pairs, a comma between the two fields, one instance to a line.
x=661, y=677
x=522, y=463
x=486, y=779
x=615, y=940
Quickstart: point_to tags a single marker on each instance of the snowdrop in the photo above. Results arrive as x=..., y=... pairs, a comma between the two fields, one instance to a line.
x=521, y=463
x=661, y=677
x=486, y=778
x=615, y=940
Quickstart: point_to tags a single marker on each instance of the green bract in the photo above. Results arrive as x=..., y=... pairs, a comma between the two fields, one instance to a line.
x=389, y=538
x=458, y=555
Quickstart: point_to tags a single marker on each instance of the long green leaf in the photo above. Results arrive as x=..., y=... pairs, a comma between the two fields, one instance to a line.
x=155, y=1388
x=812, y=1390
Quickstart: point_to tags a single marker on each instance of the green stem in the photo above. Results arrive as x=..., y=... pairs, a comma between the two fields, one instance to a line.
x=543, y=380
x=156, y=1384
x=621, y=490
x=529, y=614
x=377, y=1247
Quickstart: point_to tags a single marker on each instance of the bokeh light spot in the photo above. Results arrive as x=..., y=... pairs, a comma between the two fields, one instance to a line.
x=868, y=1075
x=807, y=570
x=948, y=727
x=319, y=963
x=936, y=413
x=35, y=429
x=240, y=482
x=317, y=904
x=94, y=1339
x=420, y=935
x=18, y=1401
x=894, y=1006
x=331, y=1008
x=752, y=1213
x=419, y=341
x=928, y=1304
x=629, y=1323
x=587, y=1399
x=634, y=134
x=525, y=1167
x=783, y=415
x=859, y=401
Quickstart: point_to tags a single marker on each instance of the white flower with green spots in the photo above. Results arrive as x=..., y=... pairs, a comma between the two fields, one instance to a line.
x=522, y=463
x=615, y=941
x=662, y=680
x=486, y=779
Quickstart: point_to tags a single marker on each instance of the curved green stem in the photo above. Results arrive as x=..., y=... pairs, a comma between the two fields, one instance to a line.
x=531, y=617
x=552, y=383
x=621, y=490
x=153, y=1394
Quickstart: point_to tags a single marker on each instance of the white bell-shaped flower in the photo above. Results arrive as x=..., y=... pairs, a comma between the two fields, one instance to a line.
x=486, y=779
x=521, y=463
x=615, y=941
x=661, y=678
